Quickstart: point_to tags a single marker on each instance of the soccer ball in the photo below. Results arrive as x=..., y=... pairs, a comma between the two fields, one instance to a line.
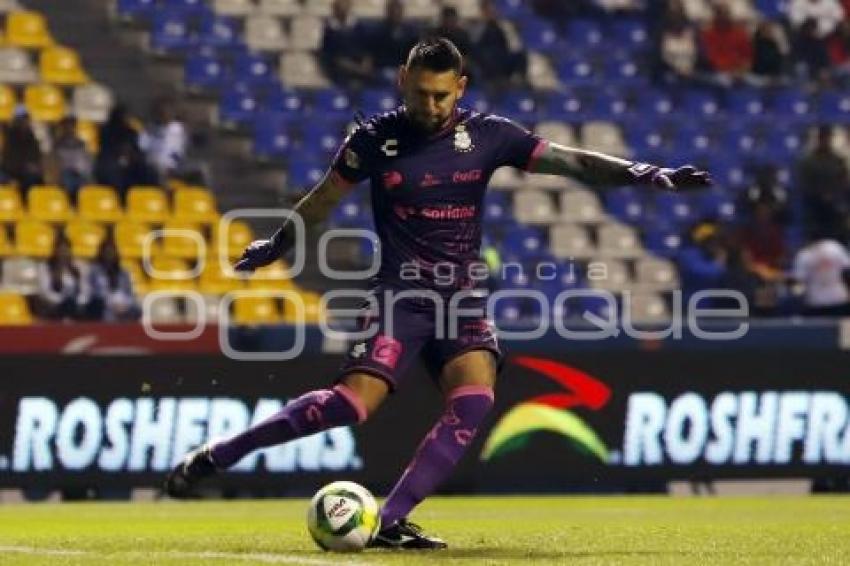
x=343, y=517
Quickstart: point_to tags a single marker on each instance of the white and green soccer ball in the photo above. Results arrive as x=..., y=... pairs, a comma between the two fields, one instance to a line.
x=343, y=517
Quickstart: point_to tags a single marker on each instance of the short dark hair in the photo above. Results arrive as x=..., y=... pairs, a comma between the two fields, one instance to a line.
x=436, y=54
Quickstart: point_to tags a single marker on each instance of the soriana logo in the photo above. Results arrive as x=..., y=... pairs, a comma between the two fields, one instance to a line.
x=553, y=412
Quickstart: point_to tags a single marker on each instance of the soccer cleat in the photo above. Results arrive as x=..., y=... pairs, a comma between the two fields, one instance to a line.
x=195, y=466
x=405, y=535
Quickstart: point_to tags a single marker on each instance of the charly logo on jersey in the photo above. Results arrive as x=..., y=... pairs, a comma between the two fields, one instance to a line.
x=390, y=147
x=358, y=351
x=463, y=141
x=351, y=158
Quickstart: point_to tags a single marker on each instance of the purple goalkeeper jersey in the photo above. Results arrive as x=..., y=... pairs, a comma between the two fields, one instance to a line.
x=428, y=190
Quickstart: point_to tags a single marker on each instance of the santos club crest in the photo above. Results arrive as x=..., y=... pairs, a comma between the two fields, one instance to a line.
x=463, y=141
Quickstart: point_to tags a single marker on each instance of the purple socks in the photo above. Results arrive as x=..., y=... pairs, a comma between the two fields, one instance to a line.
x=310, y=413
x=439, y=451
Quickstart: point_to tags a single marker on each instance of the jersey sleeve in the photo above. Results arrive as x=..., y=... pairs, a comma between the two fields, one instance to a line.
x=515, y=145
x=354, y=159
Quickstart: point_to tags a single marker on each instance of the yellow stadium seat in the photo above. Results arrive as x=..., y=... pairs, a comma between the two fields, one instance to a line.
x=14, y=310
x=176, y=242
x=214, y=281
x=130, y=237
x=49, y=204
x=27, y=29
x=8, y=103
x=170, y=274
x=34, y=238
x=11, y=208
x=99, y=203
x=6, y=247
x=255, y=310
x=147, y=204
x=237, y=238
x=195, y=205
x=85, y=238
x=62, y=66
x=45, y=103
x=312, y=312
x=274, y=277
x=88, y=132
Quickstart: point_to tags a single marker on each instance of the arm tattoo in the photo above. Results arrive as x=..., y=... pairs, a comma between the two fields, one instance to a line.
x=588, y=166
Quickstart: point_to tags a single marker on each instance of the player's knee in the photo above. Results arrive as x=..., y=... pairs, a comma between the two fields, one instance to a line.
x=368, y=392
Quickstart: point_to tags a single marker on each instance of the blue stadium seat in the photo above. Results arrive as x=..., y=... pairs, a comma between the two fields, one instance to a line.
x=288, y=103
x=323, y=139
x=333, y=104
x=304, y=170
x=663, y=241
x=204, y=73
x=728, y=171
x=675, y=209
x=219, y=32
x=792, y=103
x=626, y=204
x=625, y=71
x=609, y=106
x=698, y=103
x=376, y=101
x=784, y=144
x=187, y=8
x=654, y=103
x=170, y=33
x=569, y=107
x=694, y=139
x=717, y=204
x=745, y=102
x=524, y=242
x=508, y=310
x=834, y=107
x=271, y=135
x=520, y=106
x=578, y=72
x=771, y=9
x=238, y=107
x=476, y=100
x=497, y=206
x=743, y=141
x=253, y=70
x=582, y=33
x=350, y=213
x=136, y=10
x=540, y=35
x=646, y=137
x=631, y=34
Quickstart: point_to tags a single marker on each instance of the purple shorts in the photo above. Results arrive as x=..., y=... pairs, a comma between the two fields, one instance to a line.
x=409, y=327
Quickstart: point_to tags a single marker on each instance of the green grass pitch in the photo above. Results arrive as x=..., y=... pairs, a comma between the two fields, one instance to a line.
x=479, y=530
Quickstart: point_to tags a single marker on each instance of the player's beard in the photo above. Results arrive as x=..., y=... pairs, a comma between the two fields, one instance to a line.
x=431, y=124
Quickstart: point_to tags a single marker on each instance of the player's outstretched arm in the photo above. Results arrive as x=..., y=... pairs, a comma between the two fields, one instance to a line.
x=313, y=208
x=601, y=169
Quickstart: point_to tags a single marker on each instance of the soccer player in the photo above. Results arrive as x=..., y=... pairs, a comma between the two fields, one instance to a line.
x=428, y=163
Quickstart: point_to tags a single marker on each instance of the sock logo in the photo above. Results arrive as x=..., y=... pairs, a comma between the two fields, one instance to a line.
x=549, y=413
x=386, y=351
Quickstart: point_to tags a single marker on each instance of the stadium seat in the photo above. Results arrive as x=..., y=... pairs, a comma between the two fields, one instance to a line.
x=188, y=8
x=170, y=33
x=656, y=274
x=237, y=108
x=571, y=241
x=581, y=206
x=265, y=34
x=609, y=275
x=177, y=241
x=617, y=240
x=272, y=277
x=578, y=71
x=130, y=237
x=85, y=237
x=214, y=281
x=89, y=133
x=305, y=170
x=792, y=103
x=541, y=74
x=581, y=33
x=235, y=240
x=253, y=70
x=519, y=106
x=626, y=205
x=170, y=274
x=663, y=241
x=27, y=29
x=371, y=9
x=205, y=72
x=165, y=309
x=255, y=310
x=16, y=67
x=300, y=69
x=7, y=6
x=61, y=66
x=569, y=107
x=20, y=274
x=540, y=35
x=745, y=102
x=280, y=8
x=312, y=310
x=604, y=137
x=235, y=8
x=147, y=204
x=305, y=33
x=651, y=102
x=556, y=132
x=14, y=310
x=8, y=102
x=699, y=103
x=834, y=108
x=524, y=242
x=219, y=32
x=92, y=102
x=7, y=247
x=134, y=10
x=332, y=104
x=138, y=279
x=45, y=103
x=673, y=208
x=49, y=204
x=631, y=34
x=271, y=137
x=420, y=10
x=319, y=8
x=99, y=203
x=34, y=238
x=534, y=207
x=373, y=101
x=195, y=205
x=645, y=308
x=11, y=207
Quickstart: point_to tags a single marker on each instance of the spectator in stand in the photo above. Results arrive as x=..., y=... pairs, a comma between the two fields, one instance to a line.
x=166, y=141
x=342, y=52
x=823, y=179
x=70, y=162
x=449, y=26
x=63, y=289
x=838, y=48
x=559, y=11
x=22, y=158
x=390, y=40
x=703, y=261
x=771, y=52
x=678, y=49
x=821, y=269
x=727, y=46
x=826, y=14
x=121, y=163
x=499, y=65
x=112, y=290
x=811, y=53
x=763, y=255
